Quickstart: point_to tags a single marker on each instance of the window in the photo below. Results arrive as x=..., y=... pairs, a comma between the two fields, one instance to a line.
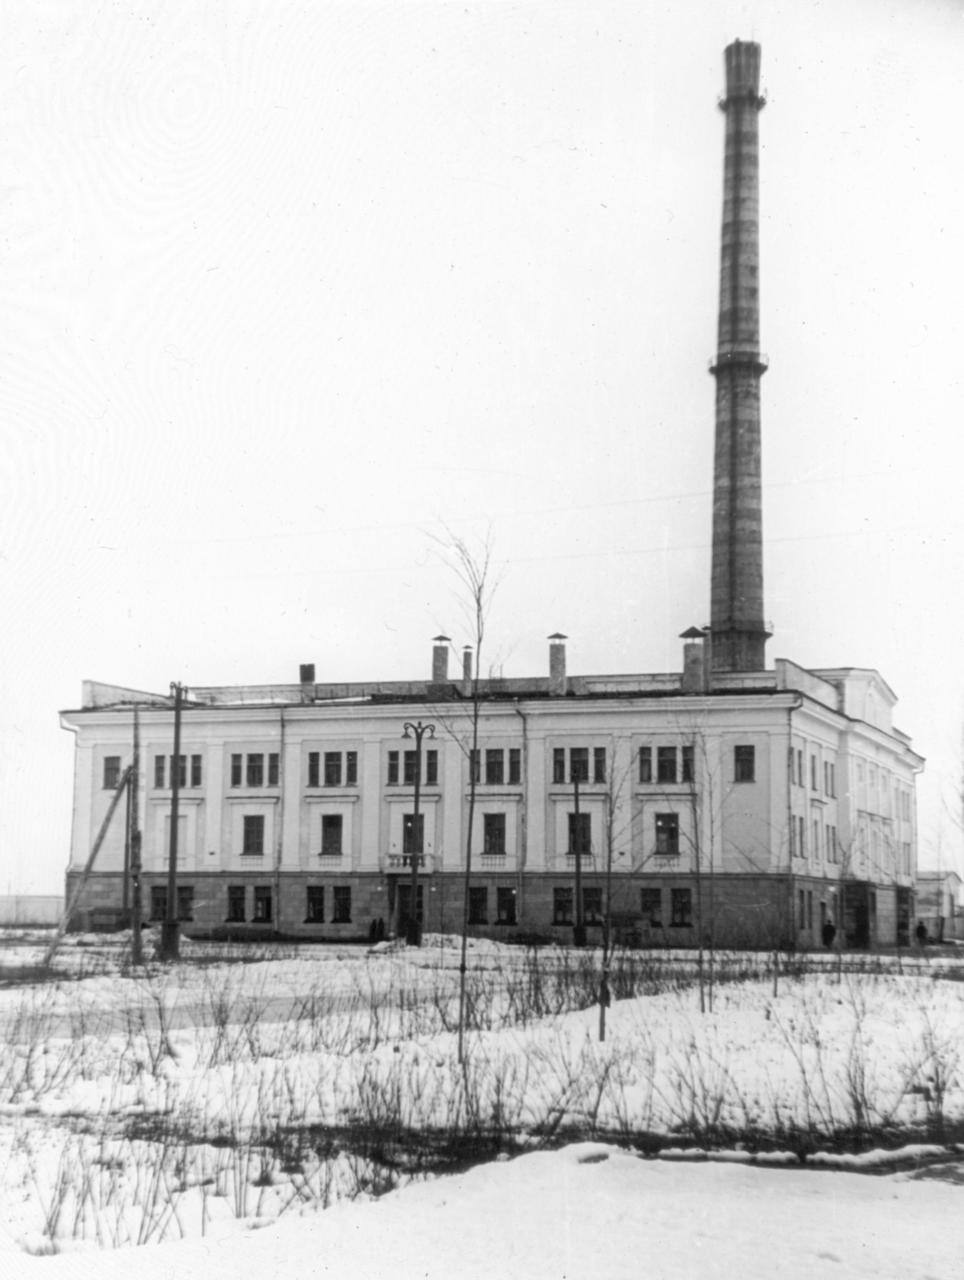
x=651, y=907
x=474, y=766
x=413, y=838
x=393, y=768
x=645, y=764
x=273, y=762
x=599, y=764
x=816, y=838
x=801, y=909
x=494, y=768
x=505, y=906
x=315, y=904
x=181, y=771
x=667, y=834
x=478, y=904
x=429, y=768
x=744, y=764
x=235, y=903
x=799, y=766
x=112, y=769
x=562, y=906
x=515, y=767
x=801, y=837
x=253, y=840
x=558, y=764
x=665, y=764
x=262, y=904
x=159, y=771
x=342, y=911
x=688, y=774
x=493, y=834
x=255, y=773
x=809, y=908
x=408, y=774
x=351, y=768
x=813, y=773
x=236, y=763
x=592, y=904
x=158, y=902
x=195, y=771
x=681, y=908
x=331, y=835
x=314, y=760
x=185, y=902
x=579, y=764
x=332, y=768
x=580, y=833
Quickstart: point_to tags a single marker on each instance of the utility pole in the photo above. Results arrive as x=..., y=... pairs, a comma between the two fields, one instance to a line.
x=413, y=933
x=169, y=933
x=134, y=839
x=579, y=928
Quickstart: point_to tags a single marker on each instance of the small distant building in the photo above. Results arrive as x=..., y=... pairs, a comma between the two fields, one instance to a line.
x=939, y=904
x=21, y=910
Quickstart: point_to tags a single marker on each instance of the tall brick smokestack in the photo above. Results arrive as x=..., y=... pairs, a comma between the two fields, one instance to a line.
x=737, y=631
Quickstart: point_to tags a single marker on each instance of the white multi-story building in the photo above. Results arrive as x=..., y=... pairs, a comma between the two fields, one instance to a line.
x=746, y=807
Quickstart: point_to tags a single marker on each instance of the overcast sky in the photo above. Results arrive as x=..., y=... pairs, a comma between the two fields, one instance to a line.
x=285, y=288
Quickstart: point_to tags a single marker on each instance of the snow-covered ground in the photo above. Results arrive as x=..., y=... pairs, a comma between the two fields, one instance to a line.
x=586, y=1212
x=178, y=1107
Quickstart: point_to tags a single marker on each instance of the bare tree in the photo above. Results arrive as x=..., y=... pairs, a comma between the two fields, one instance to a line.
x=474, y=573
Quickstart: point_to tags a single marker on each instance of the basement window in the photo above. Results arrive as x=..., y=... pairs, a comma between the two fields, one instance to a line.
x=651, y=907
x=681, y=908
x=315, y=904
x=505, y=905
x=562, y=906
x=262, y=904
x=478, y=904
x=342, y=899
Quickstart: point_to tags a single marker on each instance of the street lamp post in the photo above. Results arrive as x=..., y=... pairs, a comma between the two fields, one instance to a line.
x=579, y=928
x=418, y=732
x=169, y=927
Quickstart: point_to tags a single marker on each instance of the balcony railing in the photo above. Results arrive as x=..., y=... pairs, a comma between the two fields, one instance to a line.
x=403, y=861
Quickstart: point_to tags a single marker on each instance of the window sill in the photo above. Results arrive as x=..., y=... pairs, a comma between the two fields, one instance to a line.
x=244, y=854
x=239, y=920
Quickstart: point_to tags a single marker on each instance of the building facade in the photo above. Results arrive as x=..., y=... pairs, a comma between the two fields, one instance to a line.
x=744, y=808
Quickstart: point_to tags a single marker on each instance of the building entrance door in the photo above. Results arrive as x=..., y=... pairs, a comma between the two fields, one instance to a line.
x=404, y=891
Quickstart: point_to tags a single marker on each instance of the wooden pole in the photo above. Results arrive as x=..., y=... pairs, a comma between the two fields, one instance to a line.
x=79, y=886
x=169, y=930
